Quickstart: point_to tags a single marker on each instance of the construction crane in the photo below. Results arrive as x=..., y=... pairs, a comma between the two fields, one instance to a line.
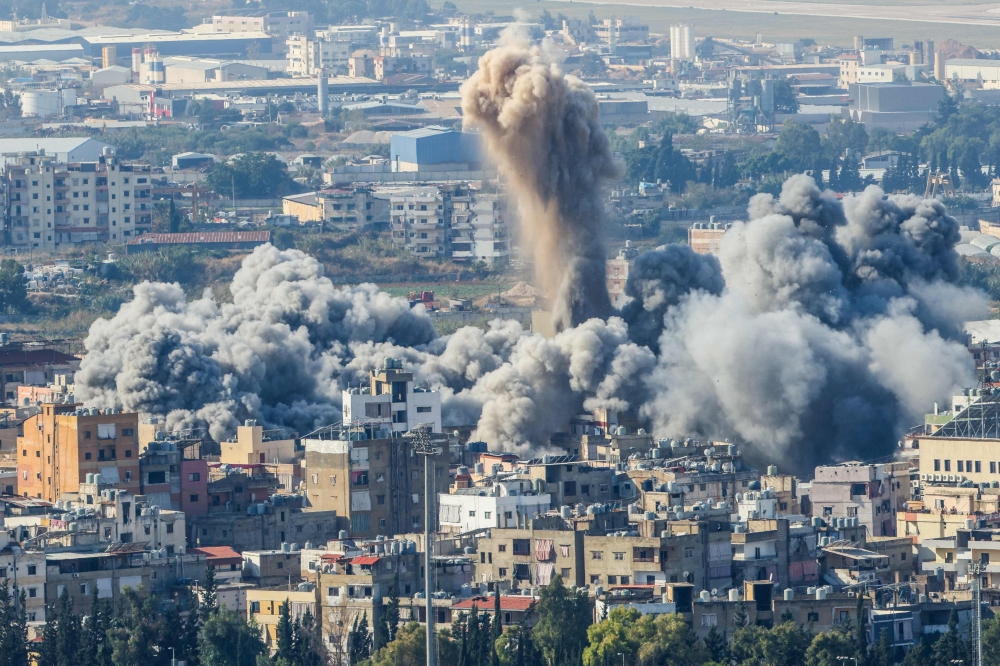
x=939, y=179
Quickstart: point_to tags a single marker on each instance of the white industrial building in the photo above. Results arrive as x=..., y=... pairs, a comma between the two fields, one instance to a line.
x=984, y=72
x=393, y=401
x=503, y=505
x=881, y=73
x=81, y=149
x=46, y=103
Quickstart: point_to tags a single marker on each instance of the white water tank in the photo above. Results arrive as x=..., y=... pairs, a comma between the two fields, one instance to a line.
x=41, y=103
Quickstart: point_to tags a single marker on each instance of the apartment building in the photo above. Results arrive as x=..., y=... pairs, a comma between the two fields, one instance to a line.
x=64, y=443
x=273, y=567
x=373, y=482
x=24, y=569
x=264, y=527
x=235, y=488
x=618, y=270
x=278, y=25
x=631, y=559
x=51, y=204
x=420, y=219
x=32, y=367
x=255, y=446
x=392, y=402
x=160, y=474
x=225, y=562
x=79, y=574
x=532, y=555
x=479, y=230
x=873, y=494
x=468, y=509
x=264, y=608
x=319, y=55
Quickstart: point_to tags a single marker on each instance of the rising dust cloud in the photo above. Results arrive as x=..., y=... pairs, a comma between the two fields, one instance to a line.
x=822, y=330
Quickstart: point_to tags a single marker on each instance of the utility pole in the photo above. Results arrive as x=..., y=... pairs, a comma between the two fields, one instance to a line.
x=422, y=446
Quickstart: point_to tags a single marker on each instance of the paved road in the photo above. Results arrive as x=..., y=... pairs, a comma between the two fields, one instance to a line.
x=977, y=14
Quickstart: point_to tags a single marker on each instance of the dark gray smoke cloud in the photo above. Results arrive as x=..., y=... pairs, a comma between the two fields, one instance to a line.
x=821, y=331
x=543, y=129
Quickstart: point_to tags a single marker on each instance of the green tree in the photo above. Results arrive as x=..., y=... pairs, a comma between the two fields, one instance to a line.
x=134, y=636
x=849, y=176
x=668, y=639
x=253, y=175
x=951, y=647
x=308, y=649
x=672, y=166
x=784, y=97
x=799, y=144
x=947, y=107
x=285, y=633
x=209, y=604
x=13, y=287
x=226, y=640
x=359, y=641
x=68, y=632
x=563, y=618
x=592, y=65
x=97, y=647
x=715, y=643
x=496, y=628
x=826, y=648
x=13, y=631
x=48, y=650
x=409, y=648
x=843, y=135
x=991, y=640
x=174, y=218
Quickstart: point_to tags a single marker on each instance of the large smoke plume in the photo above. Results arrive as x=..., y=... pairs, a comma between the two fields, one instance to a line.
x=543, y=128
x=823, y=329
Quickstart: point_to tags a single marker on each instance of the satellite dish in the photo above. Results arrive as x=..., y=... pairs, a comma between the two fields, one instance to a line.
x=715, y=591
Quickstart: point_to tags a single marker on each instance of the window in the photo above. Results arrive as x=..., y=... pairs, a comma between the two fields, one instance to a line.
x=710, y=619
x=564, y=573
x=502, y=548
x=595, y=579
x=624, y=580
x=32, y=569
x=502, y=572
x=32, y=592
x=813, y=617
x=487, y=514
x=612, y=580
x=194, y=476
x=859, y=489
x=993, y=467
x=127, y=432
x=619, y=556
x=86, y=456
x=315, y=479
x=423, y=410
x=254, y=606
x=596, y=555
x=157, y=477
x=688, y=553
x=472, y=514
x=961, y=466
x=937, y=465
x=170, y=526
x=947, y=465
x=978, y=466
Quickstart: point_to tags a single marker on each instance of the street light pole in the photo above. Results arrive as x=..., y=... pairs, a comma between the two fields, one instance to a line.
x=422, y=446
x=622, y=655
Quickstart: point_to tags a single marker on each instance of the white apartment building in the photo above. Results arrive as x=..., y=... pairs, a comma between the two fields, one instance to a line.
x=479, y=229
x=310, y=57
x=51, y=204
x=392, y=401
x=420, y=219
x=26, y=570
x=882, y=73
x=470, y=509
x=276, y=25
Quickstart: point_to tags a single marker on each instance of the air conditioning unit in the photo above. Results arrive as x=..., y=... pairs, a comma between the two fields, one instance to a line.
x=923, y=477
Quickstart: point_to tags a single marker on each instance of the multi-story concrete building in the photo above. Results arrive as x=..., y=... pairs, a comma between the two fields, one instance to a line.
x=25, y=570
x=479, y=229
x=420, y=219
x=234, y=488
x=273, y=567
x=31, y=367
x=64, y=443
x=468, y=509
x=532, y=555
x=278, y=25
x=617, y=273
x=109, y=572
x=873, y=494
x=160, y=475
x=705, y=237
x=568, y=480
x=255, y=446
x=265, y=527
x=264, y=608
x=51, y=204
x=373, y=482
x=624, y=30
x=225, y=562
x=392, y=401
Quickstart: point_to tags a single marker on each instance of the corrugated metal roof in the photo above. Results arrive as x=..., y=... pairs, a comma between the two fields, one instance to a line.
x=204, y=237
x=217, y=552
x=366, y=559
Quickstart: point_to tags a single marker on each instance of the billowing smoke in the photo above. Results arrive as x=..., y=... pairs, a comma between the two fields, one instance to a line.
x=543, y=128
x=821, y=332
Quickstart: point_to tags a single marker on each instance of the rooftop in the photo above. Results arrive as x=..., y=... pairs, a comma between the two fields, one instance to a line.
x=204, y=237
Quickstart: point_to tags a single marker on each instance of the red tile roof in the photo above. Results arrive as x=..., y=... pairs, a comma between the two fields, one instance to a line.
x=508, y=602
x=217, y=552
x=366, y=559
x=204, y=237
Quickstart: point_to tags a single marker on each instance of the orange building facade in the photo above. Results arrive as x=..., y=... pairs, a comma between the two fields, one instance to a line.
x=64, y=443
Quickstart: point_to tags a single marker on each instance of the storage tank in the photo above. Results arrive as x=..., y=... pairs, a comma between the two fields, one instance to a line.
x=109, y=56
x=767, y=95
x=136, y=63
x=734, y=594
x=41, y=103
